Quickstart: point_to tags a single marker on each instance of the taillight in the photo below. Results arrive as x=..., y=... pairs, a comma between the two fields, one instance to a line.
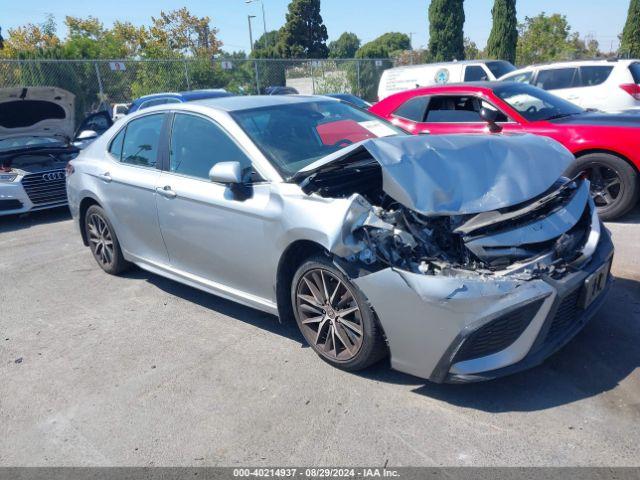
x=632, y=89
x=68, y=170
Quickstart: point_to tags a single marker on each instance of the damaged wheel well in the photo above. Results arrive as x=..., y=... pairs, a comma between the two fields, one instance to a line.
x=291, y=259
x=84, y=206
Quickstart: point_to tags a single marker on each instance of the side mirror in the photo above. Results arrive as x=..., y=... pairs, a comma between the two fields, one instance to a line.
x=87, y=135
x=490, y=116
x=229, y=173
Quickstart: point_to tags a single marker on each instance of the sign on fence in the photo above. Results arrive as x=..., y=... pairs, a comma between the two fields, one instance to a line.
x=226, y=65
x=117, y=66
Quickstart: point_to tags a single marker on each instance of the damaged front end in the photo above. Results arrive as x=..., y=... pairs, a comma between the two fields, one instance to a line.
x=484, y=231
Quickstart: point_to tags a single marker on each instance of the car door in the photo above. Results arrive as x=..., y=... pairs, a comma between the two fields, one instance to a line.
x=212, y=231
x=128, y=185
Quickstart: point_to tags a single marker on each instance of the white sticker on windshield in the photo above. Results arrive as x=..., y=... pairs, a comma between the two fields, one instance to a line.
x=379, y=129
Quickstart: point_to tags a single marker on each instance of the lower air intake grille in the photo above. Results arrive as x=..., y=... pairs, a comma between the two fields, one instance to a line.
x=498, y=334
x=46, y=187
x=10, y=205
x=567, y=314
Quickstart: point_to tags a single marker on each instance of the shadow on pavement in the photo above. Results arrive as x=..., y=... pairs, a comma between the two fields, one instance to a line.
x=595, y=361
x=632, y=217
x=11, y=223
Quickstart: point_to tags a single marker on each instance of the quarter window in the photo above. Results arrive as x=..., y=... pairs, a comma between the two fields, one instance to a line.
x=557, y=78
x=594, y=75
x=475, y=73
x=115, y=148
x=413, y=109
x=197, y=144
x=140, y=146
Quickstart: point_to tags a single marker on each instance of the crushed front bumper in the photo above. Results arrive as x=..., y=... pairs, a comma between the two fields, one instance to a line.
x=461, y=329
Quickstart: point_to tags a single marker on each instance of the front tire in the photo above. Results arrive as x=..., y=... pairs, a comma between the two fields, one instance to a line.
x=335, y=317
x=103, y=242
x=614, y=183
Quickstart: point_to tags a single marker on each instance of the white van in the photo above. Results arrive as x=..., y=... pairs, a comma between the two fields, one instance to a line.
x=399, y=79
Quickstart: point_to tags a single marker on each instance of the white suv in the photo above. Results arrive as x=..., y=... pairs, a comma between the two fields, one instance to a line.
x=607, y=85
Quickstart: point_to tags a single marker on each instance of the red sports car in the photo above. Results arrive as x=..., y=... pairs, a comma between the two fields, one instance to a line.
x=607, y=146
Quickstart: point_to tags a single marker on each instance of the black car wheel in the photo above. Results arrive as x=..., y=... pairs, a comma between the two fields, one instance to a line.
x=614, y=183
x=334, y=316
x=103, y=242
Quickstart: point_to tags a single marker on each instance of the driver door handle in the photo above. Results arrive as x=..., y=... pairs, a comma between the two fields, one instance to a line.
x=105, y=177
x=166, y=191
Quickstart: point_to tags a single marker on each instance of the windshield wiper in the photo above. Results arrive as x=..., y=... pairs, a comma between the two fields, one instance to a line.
x=561, y=115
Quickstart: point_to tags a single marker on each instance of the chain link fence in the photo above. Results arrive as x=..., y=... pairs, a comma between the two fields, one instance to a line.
x=98, y=84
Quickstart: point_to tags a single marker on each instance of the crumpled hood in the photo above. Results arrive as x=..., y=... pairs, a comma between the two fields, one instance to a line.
x=459, y=174
x=39, y=111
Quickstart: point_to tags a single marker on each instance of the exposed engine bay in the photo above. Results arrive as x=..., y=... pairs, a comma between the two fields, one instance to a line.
x=35, y=159
x=552, y=226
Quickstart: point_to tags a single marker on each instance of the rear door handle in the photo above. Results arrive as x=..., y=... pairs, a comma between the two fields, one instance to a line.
x=105, y=177
x=166, y=191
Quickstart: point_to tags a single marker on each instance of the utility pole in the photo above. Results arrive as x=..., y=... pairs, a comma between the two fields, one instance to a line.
x=249, y=17
x=264, y=19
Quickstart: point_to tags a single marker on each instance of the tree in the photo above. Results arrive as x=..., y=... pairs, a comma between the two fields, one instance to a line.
x=385, y=46
x=446, y=39
x=304, y=34
x=630, y=42
x=471, y=50
x=345, y=46
x=503, y=39
x=180, y=33
x=547, y=38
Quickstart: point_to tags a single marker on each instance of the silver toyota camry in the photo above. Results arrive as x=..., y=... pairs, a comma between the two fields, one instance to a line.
x=461, y=257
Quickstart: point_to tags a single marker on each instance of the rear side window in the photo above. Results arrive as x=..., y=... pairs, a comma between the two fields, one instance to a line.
x=556, y=78
x=475, y=73
x=634, y=68
x=594, y=75
x=413, y=109
x=141, y=139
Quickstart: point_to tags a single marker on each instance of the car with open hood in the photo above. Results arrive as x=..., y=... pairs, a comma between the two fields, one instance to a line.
x=605, y=145
x=463, y=257
x=37, y=139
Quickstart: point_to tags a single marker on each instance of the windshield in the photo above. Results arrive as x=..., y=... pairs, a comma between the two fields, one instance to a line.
x=295, y=135
x=500, y=68
x=29, y=141
x=534, y=103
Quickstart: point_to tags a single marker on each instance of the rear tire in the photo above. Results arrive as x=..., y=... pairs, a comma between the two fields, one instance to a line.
x=103, y=242
x=614, y=183
x=335, y=317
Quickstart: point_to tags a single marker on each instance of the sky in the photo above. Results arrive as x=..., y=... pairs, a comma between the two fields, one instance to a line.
x=602, y=20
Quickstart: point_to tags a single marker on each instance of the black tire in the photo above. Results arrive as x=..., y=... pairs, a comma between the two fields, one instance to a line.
x=372, y=346
x=612, y=199
x=104, y=244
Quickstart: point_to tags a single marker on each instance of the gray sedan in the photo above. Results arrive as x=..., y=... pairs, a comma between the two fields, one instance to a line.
x=462, y=257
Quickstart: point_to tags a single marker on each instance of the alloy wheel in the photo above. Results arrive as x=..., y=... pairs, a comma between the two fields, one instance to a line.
x=100, y=239
x=606, y=185
x=329, y=315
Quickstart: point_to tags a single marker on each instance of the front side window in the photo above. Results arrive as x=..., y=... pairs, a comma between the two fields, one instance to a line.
x=594, y=75
x=413, y=109
x=458, y=109
x=557, y=78
x=141, y=140
x=475, y=73
x=197, y=144
x=295, y=135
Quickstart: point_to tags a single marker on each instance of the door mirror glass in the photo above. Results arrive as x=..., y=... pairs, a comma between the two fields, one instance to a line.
x=228, y=173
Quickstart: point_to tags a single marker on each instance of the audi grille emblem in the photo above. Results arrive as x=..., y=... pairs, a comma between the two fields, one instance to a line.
x=50, y=177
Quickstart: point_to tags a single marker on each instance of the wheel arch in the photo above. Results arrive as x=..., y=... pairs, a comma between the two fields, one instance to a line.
x=85, y=203
x=588, y=151
x=291, y=258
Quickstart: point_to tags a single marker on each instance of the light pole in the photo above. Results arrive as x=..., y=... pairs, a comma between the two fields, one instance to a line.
x=264, y=19
x=249, y=17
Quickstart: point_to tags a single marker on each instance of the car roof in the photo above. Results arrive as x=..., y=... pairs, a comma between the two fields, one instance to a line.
x=186, y=95
x=234, y=104
x=446, y=64
x=573, y=63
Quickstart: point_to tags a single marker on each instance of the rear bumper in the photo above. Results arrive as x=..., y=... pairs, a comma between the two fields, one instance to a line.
x=428, y=320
